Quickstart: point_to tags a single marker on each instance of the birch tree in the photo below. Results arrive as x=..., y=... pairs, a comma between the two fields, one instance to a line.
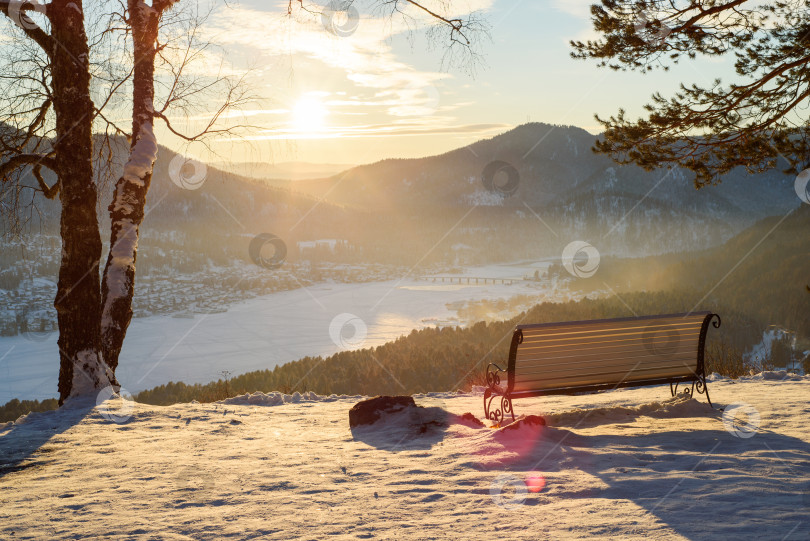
x=49, y=117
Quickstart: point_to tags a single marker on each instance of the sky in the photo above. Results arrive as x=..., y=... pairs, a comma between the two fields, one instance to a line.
x=351, y=91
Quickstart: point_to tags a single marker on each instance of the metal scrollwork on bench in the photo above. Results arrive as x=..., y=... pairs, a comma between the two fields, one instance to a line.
x=699, y=383
x=494, y=388
x=493, y=391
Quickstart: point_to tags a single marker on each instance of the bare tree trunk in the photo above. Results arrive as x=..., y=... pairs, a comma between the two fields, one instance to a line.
x=77, y=303
x=129, y=201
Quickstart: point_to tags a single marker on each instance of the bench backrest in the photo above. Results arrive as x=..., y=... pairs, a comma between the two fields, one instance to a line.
x=623, y=351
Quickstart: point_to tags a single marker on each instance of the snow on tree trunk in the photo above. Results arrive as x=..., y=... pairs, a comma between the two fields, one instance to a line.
x=126, y=215
x=78, y=306
x=129, y=201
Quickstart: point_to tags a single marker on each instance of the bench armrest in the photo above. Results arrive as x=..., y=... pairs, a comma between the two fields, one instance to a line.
x=494, y=377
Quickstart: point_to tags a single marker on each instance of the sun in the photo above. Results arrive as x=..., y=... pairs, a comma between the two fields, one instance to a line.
x=309, y=115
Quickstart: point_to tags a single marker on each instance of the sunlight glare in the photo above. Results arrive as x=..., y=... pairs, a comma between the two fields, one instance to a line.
x=309, y=115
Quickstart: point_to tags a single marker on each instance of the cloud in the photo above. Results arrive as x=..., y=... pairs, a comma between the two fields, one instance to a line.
x=577, y=8
x=365, y=58
x=378, y=130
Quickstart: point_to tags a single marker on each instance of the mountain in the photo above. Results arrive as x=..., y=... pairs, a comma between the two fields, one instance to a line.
x=576, y=192
x=218, y=201
x=437, y=209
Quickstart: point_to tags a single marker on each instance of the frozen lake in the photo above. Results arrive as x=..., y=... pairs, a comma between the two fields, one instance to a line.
x=270, y=330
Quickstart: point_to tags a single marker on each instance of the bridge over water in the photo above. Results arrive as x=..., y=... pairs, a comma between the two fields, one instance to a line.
x=472, y=280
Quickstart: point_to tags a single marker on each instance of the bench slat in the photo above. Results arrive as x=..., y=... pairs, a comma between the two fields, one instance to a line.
x=562, y=356
x=552, y=372
x=601, y=377
x=659, y=325
x=595, y=334
x=600, y=387
x=613, y=322
x=585, y=365
x=660, y=349
x=601, y=333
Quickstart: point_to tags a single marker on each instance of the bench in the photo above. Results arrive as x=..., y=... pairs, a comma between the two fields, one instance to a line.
x=601, y=354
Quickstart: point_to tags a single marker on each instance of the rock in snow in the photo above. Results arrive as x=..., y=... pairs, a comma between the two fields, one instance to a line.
x=368, y=411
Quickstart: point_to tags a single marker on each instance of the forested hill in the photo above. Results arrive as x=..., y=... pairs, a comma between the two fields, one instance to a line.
x=763, y=271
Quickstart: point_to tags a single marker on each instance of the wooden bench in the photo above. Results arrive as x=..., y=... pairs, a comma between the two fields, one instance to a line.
x=601, y=354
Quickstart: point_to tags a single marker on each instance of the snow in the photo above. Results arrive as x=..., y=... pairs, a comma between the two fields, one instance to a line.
x=122, y=259
x=776, y=375
x=141, y=161
x=88, y=374
x=484, y=198
x=626, y=464
x=143, y=155
x=274, y=399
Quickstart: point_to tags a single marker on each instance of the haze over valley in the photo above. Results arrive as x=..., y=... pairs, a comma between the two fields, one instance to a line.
x=401, y=227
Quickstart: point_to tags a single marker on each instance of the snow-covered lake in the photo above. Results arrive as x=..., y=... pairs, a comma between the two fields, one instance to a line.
x=270, y=330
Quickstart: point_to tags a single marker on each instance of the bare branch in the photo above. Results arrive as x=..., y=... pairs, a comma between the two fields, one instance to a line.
x=42, y=38
x=21, y=160
x=48, y=191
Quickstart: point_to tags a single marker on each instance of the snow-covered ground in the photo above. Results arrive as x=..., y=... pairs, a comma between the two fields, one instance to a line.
x=264, y=332
x=626, y=464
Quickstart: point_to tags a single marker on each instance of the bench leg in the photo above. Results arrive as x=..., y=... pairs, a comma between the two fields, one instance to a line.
x=699, y=385
x=703, y=388
x=487, y=401
x=505, y=407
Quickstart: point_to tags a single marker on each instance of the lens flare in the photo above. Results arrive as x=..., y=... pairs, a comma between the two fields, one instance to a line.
x=535, y=482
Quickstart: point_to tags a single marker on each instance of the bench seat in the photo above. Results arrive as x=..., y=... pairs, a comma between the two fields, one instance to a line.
x=601, y=354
